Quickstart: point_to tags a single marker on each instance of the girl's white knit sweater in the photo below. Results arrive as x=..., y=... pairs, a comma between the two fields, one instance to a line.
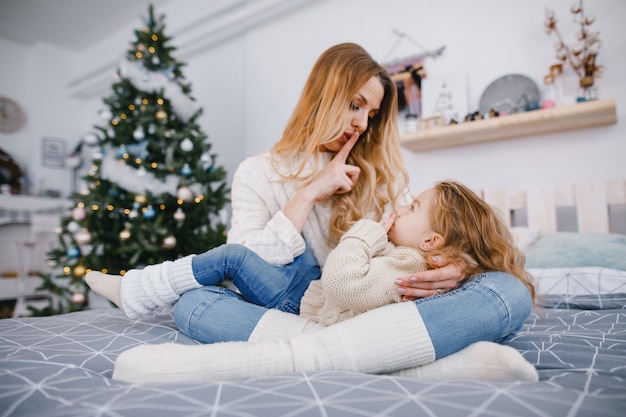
x=359, y=275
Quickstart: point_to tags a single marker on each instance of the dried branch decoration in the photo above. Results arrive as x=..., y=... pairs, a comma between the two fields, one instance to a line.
x=581, y=56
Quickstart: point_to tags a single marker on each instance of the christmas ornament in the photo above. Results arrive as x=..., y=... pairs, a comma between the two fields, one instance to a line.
x=84, y=189
x=125, y=235
x=179, y=215
x=186, y=145
x=73, y=227
x=169, y=242
x=133, y=214
x=78, y=298
x=141, y=199
x=184, y=193
x=161, y=115
x=138, y=133
x=78, y=213
x=73, y=252
x=91, y=139
x=186, y=170
x=83, y=237
x=149, y=213
x=79, y=271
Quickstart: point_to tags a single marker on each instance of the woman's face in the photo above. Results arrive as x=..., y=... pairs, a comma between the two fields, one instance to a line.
x=364, y=106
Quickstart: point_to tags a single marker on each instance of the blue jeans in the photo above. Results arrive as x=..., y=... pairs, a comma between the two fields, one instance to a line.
x=213, y=313
x=489, y=307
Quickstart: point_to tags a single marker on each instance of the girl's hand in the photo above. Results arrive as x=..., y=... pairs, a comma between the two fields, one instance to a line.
x=386, y=224
x=446, y=277
x=337, y=177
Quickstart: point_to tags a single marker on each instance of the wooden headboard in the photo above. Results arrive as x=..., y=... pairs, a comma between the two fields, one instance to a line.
x=591, y=200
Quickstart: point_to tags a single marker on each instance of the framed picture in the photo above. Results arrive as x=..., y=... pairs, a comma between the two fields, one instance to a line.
x=53, y=152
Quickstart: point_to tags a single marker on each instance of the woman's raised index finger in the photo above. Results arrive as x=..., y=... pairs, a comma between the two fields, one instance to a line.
x=347, y=147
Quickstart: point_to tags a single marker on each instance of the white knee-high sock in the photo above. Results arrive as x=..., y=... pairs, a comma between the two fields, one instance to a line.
x=383, y=340
x=480, y=361
x=278, y=325
x=160, y=285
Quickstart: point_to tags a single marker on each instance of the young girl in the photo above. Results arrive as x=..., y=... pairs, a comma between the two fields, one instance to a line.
x=448, y=219
x=360, y=272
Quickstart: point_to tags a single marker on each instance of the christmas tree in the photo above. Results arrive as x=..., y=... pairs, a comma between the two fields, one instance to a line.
x=153, y=192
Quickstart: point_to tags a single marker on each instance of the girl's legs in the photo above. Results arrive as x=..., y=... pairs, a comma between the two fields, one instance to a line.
x=141, y=291
x=260, y=282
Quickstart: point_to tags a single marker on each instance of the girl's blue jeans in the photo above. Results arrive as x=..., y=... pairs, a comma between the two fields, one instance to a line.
x=489, y=307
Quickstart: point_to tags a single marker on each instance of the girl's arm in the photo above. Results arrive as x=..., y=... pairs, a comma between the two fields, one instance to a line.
x=359, y=275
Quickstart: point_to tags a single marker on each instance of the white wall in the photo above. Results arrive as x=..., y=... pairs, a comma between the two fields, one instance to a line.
x=248, y=81
x=484, y=38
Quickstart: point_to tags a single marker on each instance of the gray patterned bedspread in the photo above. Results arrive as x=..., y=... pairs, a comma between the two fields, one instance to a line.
x=61, y=366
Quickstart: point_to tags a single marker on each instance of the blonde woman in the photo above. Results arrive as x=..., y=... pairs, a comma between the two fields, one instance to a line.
x=338, y=161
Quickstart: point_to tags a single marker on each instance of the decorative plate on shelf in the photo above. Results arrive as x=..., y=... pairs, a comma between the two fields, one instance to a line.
x=11, y=115
x=512, y=93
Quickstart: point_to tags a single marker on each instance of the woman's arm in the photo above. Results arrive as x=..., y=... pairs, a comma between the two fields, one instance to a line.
x=258, y=221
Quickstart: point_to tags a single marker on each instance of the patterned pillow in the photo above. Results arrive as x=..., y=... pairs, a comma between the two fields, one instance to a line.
x=590, y=280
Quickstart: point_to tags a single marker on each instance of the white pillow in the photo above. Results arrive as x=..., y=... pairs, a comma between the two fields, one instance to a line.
x=587, y=280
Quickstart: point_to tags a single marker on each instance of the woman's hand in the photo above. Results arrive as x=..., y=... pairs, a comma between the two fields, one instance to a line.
x=337, y=177
x=446, y=277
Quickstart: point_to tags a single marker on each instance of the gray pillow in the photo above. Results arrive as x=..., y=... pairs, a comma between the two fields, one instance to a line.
x=568, y=249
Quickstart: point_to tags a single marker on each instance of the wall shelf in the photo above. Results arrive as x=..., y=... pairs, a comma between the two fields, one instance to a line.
x=577, y=116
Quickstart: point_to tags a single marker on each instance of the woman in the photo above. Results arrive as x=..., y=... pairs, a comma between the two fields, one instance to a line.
x=337, y=162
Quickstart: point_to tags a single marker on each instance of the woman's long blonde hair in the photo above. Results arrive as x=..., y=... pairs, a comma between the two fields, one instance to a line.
x=320, y=118
x=475, y=234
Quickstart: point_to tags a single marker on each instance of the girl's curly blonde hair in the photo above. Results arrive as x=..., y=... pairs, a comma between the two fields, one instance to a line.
x=474, y=235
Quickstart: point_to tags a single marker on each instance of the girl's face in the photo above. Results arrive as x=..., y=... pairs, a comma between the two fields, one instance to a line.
x=412, y=225
x=364, y=106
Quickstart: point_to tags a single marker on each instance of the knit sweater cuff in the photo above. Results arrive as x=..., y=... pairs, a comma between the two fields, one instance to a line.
x=284, y=229
x=370, y=232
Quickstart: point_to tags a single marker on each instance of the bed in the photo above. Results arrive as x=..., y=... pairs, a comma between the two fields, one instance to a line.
x=62, y=365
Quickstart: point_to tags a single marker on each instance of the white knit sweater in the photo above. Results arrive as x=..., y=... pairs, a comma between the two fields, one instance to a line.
x=258, y=196
x=359, y=275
